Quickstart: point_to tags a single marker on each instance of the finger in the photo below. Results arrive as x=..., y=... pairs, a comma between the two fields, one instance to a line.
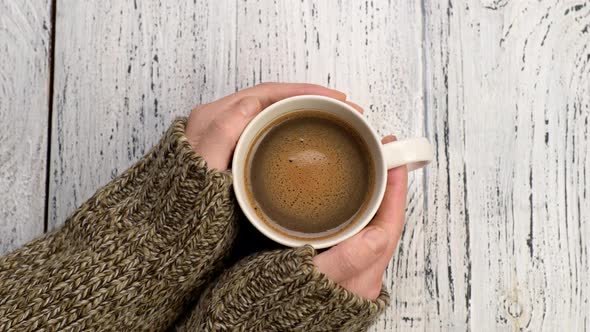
x=351, y=257
x=391, y=213
x=273, y=92
x=392, y=209
x=219, y=140
x=394, y=200
x=267, y=93
x=270, y=93
x=355, y=106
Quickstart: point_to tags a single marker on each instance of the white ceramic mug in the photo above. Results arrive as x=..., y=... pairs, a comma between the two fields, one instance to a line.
x=415, y=153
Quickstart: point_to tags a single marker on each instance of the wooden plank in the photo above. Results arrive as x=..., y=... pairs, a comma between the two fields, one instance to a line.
x=372, y=51
x=124, y=70
x=508, y=100
x=25, y=32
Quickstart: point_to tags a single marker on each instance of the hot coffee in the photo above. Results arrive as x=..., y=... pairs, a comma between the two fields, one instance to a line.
x=309, y=174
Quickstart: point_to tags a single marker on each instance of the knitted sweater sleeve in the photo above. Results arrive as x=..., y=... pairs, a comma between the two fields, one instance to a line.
x=132, y=256
x=281, y=291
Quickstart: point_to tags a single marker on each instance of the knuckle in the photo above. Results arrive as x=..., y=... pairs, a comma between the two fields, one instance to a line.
x=347, y=262
x=248, y=105
x=376, y=240
x=221, y=127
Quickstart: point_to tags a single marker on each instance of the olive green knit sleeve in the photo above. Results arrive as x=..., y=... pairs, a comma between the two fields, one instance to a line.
x=132, y=256
x=281, y=291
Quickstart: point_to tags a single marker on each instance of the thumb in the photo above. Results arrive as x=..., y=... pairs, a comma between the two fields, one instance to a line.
x=351, y=257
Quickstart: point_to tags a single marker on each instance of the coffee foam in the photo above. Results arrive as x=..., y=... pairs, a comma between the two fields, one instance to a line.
x=311, y=173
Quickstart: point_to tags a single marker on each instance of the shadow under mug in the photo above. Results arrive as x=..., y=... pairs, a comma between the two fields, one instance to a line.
x=414, y=152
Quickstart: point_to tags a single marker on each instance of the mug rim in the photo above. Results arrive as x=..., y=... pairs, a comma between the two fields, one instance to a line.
x=239, y=180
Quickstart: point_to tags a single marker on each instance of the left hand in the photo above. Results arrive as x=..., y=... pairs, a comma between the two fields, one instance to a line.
x=214, y=129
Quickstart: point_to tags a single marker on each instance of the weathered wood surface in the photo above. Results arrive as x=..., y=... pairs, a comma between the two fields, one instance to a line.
x=507, y=104
x=123, y=71
x=25, y=30
x=497, y=232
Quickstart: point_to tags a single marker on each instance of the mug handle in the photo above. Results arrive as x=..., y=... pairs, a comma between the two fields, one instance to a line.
x=413, y=152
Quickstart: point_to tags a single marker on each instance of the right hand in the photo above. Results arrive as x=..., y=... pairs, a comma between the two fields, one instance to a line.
x=358, y=263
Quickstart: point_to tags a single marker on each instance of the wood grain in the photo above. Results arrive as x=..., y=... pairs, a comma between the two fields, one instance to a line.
x=25, y=30
x=507, y=103
x=124, y=70
x=498, y=232
x=372, y=52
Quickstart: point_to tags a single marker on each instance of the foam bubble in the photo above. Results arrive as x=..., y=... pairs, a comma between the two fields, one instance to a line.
x=311, y=178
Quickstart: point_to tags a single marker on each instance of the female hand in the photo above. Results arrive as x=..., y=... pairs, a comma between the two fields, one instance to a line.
x=358, y=263
x=213, y=129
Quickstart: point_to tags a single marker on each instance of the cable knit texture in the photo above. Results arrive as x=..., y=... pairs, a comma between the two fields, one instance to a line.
x=281, y=291
x=130, y=257
x=136, y=254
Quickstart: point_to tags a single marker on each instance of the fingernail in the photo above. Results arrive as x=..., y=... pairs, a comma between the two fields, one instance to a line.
x=250, y=106
x=376, y=239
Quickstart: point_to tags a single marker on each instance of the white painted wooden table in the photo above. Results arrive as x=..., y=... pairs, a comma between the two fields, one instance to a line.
x=498, y=227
